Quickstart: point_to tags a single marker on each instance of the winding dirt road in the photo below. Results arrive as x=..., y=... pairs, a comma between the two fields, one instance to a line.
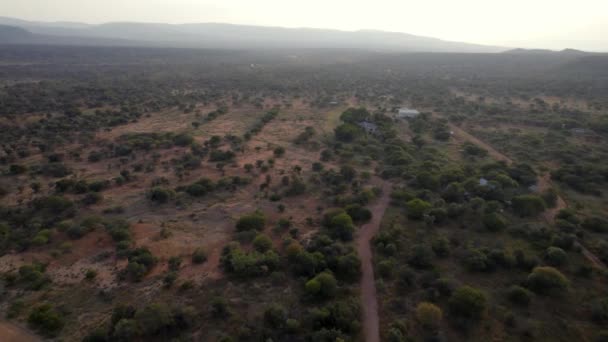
x=369, y=301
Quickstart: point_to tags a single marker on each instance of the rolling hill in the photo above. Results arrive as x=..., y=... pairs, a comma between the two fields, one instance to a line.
x=225, y=36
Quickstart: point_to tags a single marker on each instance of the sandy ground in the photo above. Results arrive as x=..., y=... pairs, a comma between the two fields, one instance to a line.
x=368, y=284
x=10, y=332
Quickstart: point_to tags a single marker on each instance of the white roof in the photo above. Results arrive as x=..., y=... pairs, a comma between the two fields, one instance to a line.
x=408, y=111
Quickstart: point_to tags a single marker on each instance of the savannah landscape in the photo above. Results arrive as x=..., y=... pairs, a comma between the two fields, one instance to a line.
x=190, y=194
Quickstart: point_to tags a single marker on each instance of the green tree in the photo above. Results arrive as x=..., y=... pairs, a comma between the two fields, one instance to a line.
x=355, y=115
x=421, y=256
x=199, y=256
x=342, y=227
x=429, y=315
x=519, y=295
x=494, y=222
x=252, y=221
x=547, y=280
x=160, y=195
x=154, y=319
x=275, y=316
x=416, y=208
x=358, y=213
x=467, y=302
x=556, y=256
x=324, y=285
x=279, y=151
x=125, y=330
x=46, y=320
x=347, y=132
x=262, y=243
x=528, y=205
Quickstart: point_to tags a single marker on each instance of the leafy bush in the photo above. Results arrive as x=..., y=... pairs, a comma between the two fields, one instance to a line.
x=599, y=310
x=467, y=302
x=275, y=316
x=358, y=213
x=296, y=187
x=519, y=295
x=348, y=132
x=596, y=224
x=421, y=256
x=429, y=315
x=494, y=222
x=220, y=156
x=90, y=274
x=355, y=115
x=385, y=268
x=547, y=279
x=33, y=277
x=154, y=319
x=478, y=261
x=252, y=221
x=416, y=208
x=472, y=150
x=279, y=151
x=219, y=307
x=174, y=263
x=183, y=139
x=441, y=246
x=200, y=188
x=46, y=320
x=262, y=243
x=341, y=317
x=556, y=256
x=54, y=204
x=342, y=227
x=528, y=205
x=125, y=330
x=141, y=261
x=324, y=285
x=252, y=264
x=160, y=195
x=199, y=256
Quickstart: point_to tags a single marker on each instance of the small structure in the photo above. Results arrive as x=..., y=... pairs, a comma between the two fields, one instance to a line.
x=368, y=127
x=406, y=113
x=578, y=131
x=486, y=183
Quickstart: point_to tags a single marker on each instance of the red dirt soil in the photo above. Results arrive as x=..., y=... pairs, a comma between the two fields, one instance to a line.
x=368, y=285
x=10, y=332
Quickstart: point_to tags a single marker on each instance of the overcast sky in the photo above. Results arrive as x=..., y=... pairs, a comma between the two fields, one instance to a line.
x=554, y=24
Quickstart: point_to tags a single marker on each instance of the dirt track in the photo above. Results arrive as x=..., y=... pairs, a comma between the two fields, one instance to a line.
x=544, y=183
x=10, y=332
x=462, y=134
x=368, y=285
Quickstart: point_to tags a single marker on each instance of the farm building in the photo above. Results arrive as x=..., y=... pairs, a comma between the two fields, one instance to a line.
x=406, y=113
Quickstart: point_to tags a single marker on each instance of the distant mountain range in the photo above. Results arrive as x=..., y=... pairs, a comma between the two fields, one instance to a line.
x=571, y=52
x=223, y=36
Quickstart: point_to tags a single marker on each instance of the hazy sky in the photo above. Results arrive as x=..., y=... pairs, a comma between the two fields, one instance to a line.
x=527, y=23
